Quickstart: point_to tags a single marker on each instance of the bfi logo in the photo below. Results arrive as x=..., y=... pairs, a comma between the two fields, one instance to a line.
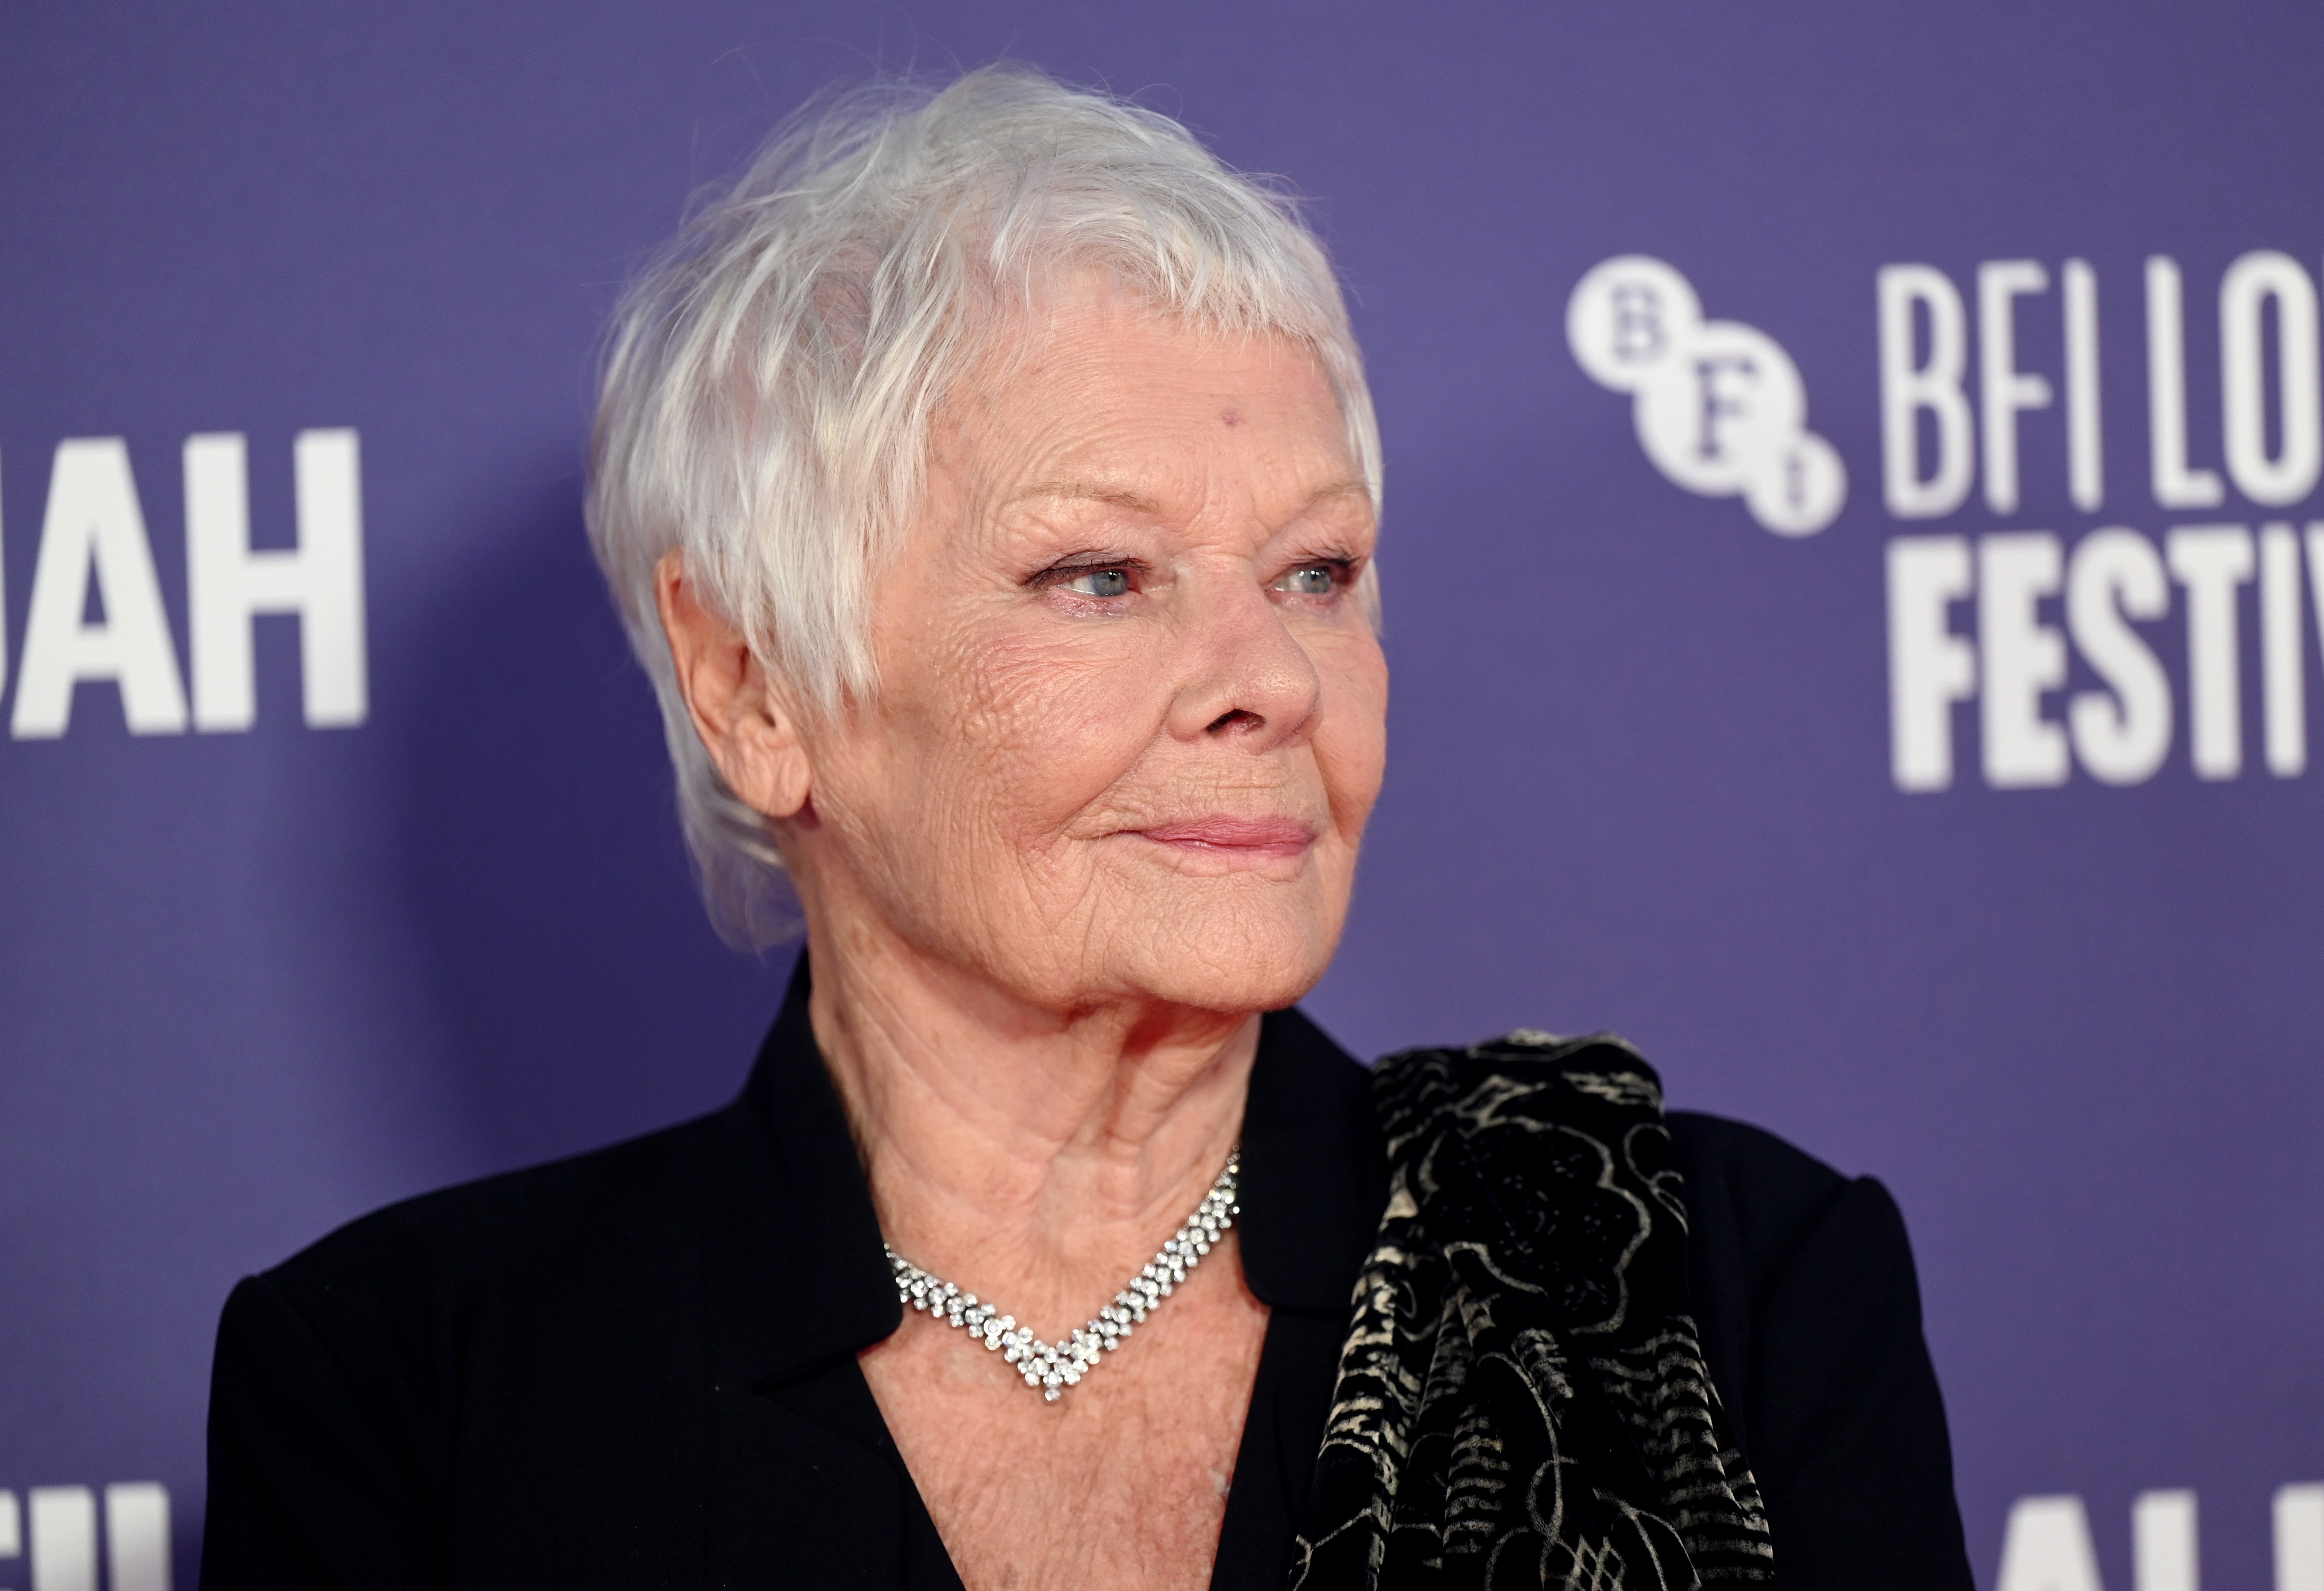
x=62, y=1542
x=1719, y=406
x=95, y=558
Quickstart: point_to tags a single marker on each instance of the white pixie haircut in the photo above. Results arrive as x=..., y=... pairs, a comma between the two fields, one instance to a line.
x=770, y=377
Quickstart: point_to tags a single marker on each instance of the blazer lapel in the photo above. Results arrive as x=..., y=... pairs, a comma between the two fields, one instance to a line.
x=1313, y=1184
x=804, y=1484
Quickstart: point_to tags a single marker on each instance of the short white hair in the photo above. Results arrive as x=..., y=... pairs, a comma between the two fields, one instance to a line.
x=770, y=377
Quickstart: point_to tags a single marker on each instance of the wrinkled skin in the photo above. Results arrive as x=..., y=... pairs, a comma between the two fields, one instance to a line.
x=1103, y=809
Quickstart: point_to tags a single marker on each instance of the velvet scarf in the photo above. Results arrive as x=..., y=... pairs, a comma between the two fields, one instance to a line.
x=1522, y=1400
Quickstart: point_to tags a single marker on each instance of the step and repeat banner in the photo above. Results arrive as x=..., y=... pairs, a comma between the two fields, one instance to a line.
x=1853, y=572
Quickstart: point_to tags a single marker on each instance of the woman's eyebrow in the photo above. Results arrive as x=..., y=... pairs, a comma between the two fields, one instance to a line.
x=1359, y=491
x=1087, y=491
x=1350, y=488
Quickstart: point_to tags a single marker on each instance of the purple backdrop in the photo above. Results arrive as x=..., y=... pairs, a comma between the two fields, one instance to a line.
x=258, y=981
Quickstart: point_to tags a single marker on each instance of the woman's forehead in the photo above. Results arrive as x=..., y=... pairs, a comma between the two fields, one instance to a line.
x=1120, y=410
x=1086, y=329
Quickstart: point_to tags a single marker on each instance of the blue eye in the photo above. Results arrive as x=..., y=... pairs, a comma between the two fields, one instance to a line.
x=1100, y=583
x=1310, y=580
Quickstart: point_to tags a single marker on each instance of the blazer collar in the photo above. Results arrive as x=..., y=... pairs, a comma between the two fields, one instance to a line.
x=1314, y=1177
x=797, y=1272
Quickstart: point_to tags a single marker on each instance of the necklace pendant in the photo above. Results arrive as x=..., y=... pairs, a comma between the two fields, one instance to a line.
x=1052, y=1367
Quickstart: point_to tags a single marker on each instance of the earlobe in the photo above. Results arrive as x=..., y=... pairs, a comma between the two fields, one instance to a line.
x=746, y=720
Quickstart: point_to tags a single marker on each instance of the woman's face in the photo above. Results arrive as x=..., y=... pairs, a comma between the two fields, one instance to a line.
x=1130, y=717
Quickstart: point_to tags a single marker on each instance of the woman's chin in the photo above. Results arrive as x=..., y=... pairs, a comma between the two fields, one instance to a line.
x=1239, y=956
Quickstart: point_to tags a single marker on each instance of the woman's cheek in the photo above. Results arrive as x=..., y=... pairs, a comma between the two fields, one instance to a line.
x=1351, y=744
x=1066, y=701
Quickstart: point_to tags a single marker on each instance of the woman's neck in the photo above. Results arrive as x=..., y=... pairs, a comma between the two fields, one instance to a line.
x=1036, y=1157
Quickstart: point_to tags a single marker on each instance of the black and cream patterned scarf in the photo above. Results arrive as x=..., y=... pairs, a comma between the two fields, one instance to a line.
x=1521, y=1401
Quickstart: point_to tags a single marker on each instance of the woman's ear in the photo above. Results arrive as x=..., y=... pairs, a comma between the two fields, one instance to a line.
x=745, y=719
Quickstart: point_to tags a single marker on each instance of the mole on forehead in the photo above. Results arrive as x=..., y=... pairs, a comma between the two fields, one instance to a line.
x=1232, y=417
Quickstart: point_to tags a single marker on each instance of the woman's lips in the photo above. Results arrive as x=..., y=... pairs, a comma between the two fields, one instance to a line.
x=1254, y=839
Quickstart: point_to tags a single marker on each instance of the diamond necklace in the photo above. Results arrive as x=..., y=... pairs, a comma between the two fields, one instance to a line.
x=1055, y=1367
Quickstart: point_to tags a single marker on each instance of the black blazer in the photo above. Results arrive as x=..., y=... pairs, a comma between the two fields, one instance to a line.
x=637, y=1368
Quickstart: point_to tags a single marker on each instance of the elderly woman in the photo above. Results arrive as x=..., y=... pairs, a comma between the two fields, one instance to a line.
x=991, y=487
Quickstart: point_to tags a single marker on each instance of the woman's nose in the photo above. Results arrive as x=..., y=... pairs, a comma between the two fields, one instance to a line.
x=1245, y=676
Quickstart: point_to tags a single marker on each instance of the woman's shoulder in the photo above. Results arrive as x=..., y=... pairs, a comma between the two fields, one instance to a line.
x=1804, y=1291
x=1765, y=1217
x=529, y=1229
x=1771, y=1191
x=518, y=1356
